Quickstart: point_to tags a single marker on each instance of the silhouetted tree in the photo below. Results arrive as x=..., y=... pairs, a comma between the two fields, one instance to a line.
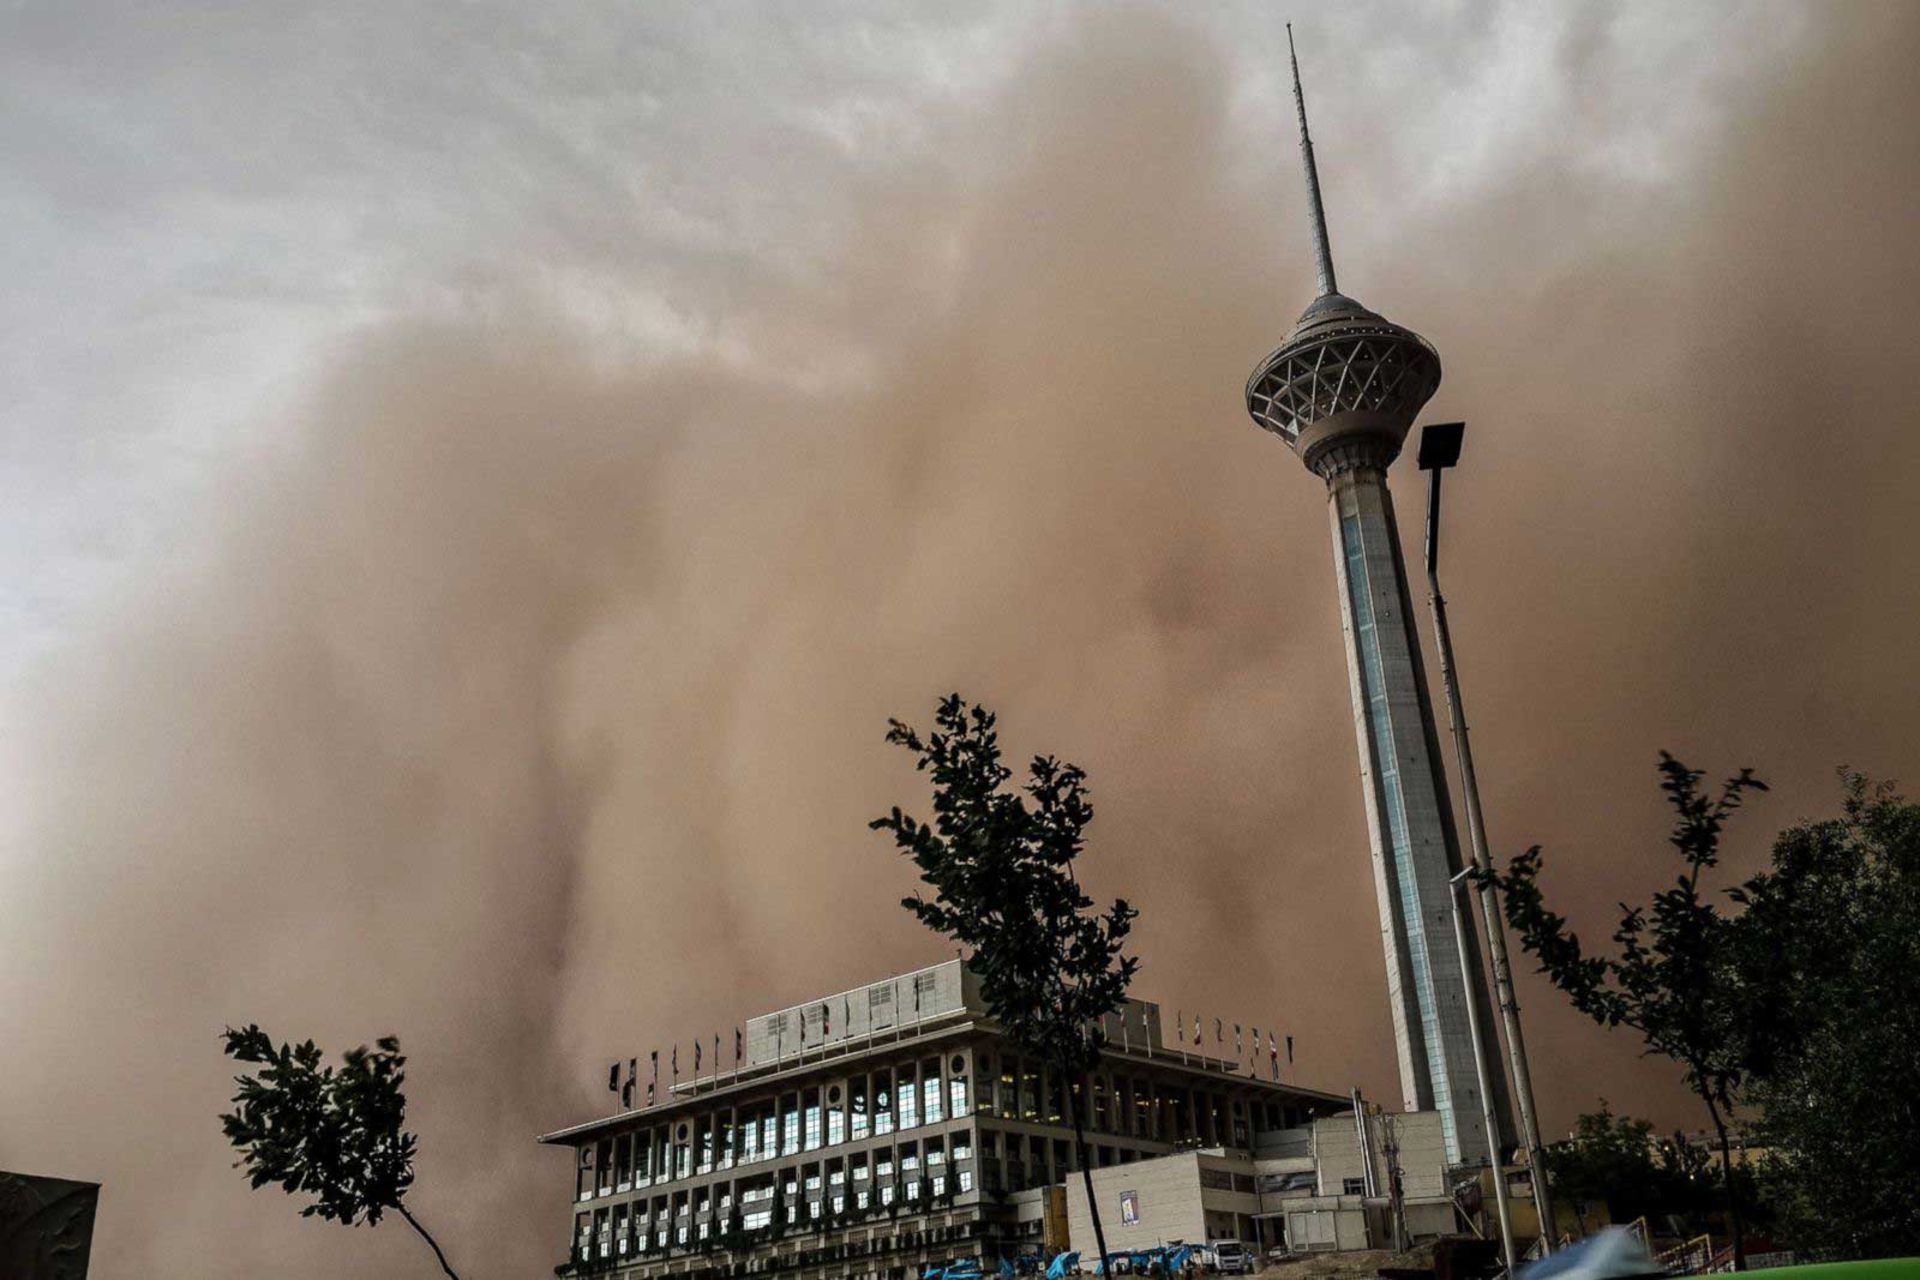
x=333, y=1134
x=1668, y=980
x=1615, y=1162
x=1829, y=947
x=1001, y=865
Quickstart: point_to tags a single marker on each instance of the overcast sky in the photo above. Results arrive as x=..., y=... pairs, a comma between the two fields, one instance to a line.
x=477, y=479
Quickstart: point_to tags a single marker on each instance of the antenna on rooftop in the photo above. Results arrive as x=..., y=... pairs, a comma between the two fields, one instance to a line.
x=1323, y=252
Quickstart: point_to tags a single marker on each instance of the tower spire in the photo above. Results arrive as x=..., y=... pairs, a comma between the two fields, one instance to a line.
x=1323, y=252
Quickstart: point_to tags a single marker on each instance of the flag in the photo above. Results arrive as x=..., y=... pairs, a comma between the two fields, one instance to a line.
x=1179, y=1027
x=650, y=1085
x=1196, y=1031
x=613, y=1078
x=716, y=1051
x=676, y=1062
x=696, y=1057
x=826, y=1019
x=626, y=1090
x=1239, y=1049
x=846, y=1015
x=654, y=1058
x=1219, y=1036
x=736, y=1047
x=1289, y=1050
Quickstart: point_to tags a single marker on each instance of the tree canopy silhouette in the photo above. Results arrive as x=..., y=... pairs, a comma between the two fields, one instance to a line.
x=1000, y=863
x=336, y=1135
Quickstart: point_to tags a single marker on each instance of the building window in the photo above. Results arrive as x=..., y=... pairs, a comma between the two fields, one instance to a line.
x=1055, y=1098
x=930, y=1100
x=789, y=1125
x=1030, y=1091
x=812, y=1117
x=1353, y=1186
x=857, y=1107
x=882, y=1102
x=836, y=1118
x=1009, y=1103
x=957, y=1089
x=905, y=1111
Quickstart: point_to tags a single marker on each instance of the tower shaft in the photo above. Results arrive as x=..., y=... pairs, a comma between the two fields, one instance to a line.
x=1409, y=815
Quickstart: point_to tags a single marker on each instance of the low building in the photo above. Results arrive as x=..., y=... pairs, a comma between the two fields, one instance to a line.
x=1306, y=1188
x=872, y=1132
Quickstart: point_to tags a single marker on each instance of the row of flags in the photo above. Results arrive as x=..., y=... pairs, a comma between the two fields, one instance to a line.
x=1245, y=1038
x=628, y=1089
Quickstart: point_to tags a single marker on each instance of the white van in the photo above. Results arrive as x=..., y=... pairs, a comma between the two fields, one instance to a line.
x=1230, y=1257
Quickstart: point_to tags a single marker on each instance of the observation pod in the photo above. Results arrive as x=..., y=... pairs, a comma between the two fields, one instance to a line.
x=1346, y=377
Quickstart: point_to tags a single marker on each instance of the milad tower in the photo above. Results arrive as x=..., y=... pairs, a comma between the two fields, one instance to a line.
x=1342, y=391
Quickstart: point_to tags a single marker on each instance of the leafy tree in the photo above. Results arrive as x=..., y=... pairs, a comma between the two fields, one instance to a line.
x=1615, y=1161
x=333, y=1134
x=1829, y=949
x=1608, y=1161
x=1668, y=978
x=1001, y=865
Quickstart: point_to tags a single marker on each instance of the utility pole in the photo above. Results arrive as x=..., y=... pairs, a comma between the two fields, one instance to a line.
x=1440, y=450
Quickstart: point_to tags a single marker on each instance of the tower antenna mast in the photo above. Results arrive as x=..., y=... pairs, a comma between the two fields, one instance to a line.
x=1323, y=252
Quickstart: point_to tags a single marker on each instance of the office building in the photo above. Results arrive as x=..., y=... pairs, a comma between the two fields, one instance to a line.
x=874, y=1131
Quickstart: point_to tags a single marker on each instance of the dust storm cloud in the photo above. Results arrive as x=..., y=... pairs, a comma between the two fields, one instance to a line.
x=520, y=690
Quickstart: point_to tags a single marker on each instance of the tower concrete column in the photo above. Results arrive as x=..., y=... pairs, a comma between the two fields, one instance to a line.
x=1410, y=827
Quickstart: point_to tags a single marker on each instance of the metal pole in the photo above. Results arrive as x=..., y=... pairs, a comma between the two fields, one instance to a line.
x=1489, y=896
x=1460, y=910
x=1367, y=1182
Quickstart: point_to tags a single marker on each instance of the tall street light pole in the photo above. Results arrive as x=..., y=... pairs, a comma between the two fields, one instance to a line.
x=1440, y=450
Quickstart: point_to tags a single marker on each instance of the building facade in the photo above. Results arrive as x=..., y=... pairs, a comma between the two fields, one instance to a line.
x=1318, y=1186
x=875, y=1131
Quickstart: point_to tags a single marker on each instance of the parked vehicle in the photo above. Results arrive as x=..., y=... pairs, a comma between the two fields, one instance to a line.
x=1230, y=1257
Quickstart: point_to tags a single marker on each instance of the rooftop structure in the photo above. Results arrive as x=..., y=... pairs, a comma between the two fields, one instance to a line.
x=1343, y=391
x=875, y=1131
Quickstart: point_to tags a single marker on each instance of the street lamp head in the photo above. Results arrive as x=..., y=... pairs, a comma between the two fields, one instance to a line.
x=1440, y=445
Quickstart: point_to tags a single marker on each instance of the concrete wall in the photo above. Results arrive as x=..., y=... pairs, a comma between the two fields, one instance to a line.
x=1167, y=1192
